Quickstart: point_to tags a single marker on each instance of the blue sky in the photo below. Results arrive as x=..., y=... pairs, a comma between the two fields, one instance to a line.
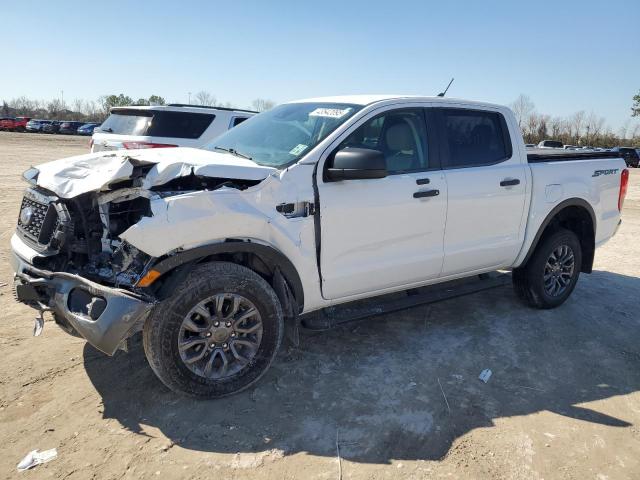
x=566, y=55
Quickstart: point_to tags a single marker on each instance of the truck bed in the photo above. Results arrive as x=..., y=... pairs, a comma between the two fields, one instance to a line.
x=544, y=155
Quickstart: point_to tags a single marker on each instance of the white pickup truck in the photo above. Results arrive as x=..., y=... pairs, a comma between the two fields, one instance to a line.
x=214, y=253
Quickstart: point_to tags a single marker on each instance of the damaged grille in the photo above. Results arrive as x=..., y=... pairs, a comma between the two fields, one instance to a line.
x=37, y=220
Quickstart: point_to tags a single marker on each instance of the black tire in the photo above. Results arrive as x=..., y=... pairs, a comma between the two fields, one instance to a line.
x=162, y=329
x=529, y=280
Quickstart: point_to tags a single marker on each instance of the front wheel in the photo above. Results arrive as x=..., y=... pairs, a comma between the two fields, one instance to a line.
x=551, y=274
x=217, y=334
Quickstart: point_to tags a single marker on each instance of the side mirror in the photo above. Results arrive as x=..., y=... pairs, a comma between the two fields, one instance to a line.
x=357, y=164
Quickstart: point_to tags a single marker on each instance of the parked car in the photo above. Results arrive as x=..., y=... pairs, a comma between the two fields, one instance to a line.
x=52, y=127
x=315, y=203
x=87, y=128
x=570, y=147
x=20, y=125
x=70, y=127
x=6, y=123
x=35, y=126
x=629, y=154
x=17, y=124
x=550, y=144
x=164, y=126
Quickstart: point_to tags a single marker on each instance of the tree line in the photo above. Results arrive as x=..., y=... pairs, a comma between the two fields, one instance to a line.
x=97, y=110
x=580, y=128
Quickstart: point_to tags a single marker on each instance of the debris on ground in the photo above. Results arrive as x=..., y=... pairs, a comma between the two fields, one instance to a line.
x=35, y=457
x=445, y=397
x=485, y=375
x=3, y=284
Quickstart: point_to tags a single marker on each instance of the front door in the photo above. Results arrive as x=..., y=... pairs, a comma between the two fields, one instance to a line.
x=377, y=234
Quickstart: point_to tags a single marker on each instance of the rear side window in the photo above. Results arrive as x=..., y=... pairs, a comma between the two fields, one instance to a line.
x=474, y=137
x=238, y=121
x=158, y=123
x=179, y=124
x=133, y=122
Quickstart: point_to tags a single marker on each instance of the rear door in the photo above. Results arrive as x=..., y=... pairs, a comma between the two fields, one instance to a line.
x=486, y=185
x=378, y=234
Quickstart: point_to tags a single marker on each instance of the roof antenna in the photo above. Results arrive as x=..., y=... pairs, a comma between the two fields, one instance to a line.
x=442, y=94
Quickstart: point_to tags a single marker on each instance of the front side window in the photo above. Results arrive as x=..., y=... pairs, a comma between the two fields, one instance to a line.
x=281, y=136
x=473, y=137
x=400, y=135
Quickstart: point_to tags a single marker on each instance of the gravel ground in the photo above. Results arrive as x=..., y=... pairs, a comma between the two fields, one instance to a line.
x=398, y=394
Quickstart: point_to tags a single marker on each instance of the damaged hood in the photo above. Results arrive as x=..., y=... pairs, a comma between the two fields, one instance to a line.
x=73, y=176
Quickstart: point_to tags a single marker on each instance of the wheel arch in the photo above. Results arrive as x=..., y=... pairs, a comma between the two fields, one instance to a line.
x=265, y=260
x=577, y=215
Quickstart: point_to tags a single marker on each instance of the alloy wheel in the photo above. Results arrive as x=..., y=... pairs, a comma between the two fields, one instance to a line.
x=558, y=271
x=220, y=336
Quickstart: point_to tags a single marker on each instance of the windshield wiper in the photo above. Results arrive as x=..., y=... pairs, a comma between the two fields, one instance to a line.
x=233, y=151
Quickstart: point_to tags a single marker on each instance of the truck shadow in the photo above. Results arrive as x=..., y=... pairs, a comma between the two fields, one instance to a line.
x=379, y=385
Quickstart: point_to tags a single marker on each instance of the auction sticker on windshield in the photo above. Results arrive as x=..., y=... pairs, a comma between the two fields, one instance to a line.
x=330, y=112
x=298, y=149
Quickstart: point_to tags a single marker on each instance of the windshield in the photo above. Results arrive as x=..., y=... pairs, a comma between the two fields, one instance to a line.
x=279, y=137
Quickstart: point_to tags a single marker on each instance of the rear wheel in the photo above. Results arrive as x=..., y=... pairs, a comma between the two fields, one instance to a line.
x=217, y=334
x=551, y=274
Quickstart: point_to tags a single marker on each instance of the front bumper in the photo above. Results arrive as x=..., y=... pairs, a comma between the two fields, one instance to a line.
x=104, y=316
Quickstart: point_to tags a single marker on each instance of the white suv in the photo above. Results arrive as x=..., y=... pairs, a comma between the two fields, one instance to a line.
x=173, y=125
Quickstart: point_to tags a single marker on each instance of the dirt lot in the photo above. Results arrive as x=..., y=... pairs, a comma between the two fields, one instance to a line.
x=563, y=401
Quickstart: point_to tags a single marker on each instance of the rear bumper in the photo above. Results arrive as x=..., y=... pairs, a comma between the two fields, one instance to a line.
x=617, y=227
x=104, y=316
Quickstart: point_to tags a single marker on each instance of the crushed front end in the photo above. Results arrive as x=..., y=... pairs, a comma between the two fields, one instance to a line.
x=68, y=260
x=70, y=252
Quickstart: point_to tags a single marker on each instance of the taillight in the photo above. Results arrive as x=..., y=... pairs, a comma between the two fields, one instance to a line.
x=139, y=145
x=624, y=185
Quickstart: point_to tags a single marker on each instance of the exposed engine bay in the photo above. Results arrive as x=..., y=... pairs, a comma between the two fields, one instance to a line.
x=81, y=235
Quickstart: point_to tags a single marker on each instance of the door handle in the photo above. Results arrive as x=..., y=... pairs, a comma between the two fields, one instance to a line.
x=426, y=193
x=510, y=183
x=422, y=181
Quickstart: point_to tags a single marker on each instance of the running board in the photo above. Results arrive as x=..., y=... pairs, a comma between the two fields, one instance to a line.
x=332, y=316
